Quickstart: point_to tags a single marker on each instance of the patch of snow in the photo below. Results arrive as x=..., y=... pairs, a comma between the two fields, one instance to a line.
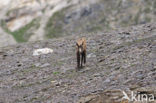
x=42, y=51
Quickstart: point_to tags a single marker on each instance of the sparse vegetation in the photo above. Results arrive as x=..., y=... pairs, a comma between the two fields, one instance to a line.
x=23, y=34
x=19, y=35
x=55, y=73
x=136, y=18
x=147, y=10
x=96, y=28
x=54, y=28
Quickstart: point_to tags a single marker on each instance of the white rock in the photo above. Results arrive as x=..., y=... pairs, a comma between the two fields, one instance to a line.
x=4, y=2
x=19, y=22
x=42, y=51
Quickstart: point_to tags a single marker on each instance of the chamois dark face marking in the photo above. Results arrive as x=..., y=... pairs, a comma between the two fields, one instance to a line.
x=80, y=48
x=81, y=52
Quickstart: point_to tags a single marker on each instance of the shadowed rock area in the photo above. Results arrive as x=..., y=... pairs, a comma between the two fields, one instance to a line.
x=120, y=60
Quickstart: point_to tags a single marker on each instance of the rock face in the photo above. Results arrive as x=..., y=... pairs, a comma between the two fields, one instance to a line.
x=6, y=39
x=31, y=20
x=120, y=60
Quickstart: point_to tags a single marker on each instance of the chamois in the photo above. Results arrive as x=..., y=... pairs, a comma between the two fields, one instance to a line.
x=81, y=52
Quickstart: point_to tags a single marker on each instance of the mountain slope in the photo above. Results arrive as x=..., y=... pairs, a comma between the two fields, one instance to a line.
x=56, y=18
x=120, y=60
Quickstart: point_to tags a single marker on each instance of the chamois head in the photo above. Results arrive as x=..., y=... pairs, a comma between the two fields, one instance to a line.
x=80, y=46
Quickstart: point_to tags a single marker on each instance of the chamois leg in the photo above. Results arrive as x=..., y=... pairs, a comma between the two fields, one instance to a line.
x=84, y=57
x=78, y=60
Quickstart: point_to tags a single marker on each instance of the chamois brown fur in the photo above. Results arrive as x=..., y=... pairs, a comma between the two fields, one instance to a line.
x=81, y=52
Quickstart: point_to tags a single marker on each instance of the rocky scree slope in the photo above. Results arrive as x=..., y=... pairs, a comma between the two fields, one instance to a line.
x=124, y=59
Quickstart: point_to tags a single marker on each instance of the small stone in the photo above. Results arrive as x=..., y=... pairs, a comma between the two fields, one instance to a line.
x=55, y=83
x=45, y=65
x=107, y=80
x=97, y=75
x=91, y=55
x=37, y=64
x=19, y=65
